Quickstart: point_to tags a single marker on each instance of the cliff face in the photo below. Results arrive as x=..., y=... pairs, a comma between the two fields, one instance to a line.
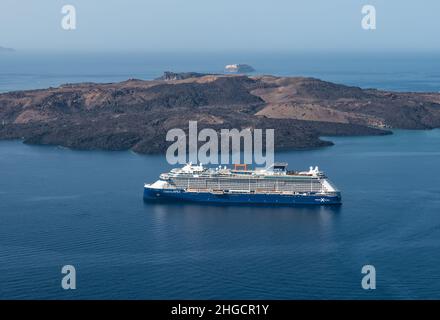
x=314, y=100
x=136, y=114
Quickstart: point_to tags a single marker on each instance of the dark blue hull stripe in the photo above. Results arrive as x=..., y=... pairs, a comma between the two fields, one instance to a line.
x=181, y=195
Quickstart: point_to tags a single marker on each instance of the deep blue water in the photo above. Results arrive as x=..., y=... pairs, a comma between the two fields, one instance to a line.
x=59, y=206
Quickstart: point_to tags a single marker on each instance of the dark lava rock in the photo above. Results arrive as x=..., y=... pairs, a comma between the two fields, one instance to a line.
x=137, y=114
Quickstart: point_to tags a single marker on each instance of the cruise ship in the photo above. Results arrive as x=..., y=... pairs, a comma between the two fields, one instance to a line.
x=271, y=186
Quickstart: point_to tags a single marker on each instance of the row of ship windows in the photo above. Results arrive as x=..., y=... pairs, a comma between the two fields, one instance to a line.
x=251, y=186
x=243, y=181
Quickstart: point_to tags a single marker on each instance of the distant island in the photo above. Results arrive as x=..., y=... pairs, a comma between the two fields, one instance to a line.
x=3, y=49
x=136, y=114
x=168, y=75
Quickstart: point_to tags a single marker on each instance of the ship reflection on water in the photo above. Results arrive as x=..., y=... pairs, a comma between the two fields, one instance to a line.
x=227, y=218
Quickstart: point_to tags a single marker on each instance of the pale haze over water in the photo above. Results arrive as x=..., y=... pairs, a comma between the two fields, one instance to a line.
x=227, y=25
x=391, y=71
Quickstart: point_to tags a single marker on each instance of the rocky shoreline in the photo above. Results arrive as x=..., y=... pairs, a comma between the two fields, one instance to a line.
x=136, y=114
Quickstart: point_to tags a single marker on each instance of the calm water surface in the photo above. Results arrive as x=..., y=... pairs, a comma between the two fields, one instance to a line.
x=59, y=206
x=385, y=70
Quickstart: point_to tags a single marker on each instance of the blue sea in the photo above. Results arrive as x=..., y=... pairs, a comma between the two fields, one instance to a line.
x=84, y=208
x=389, y=70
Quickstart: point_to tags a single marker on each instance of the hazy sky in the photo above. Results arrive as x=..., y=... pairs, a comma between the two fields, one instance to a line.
x=227, y=25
